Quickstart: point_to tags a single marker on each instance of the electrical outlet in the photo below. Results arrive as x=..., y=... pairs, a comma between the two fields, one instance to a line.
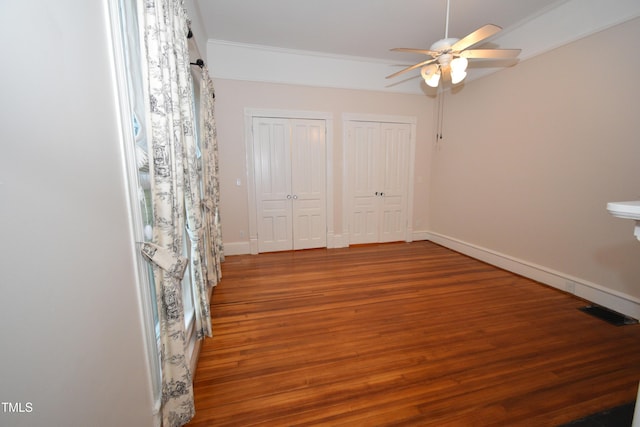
x=242, y=234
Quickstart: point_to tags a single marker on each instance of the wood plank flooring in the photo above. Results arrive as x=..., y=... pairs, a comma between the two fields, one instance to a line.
x=403, y=334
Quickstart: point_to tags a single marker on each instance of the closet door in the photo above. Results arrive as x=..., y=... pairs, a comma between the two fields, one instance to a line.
x=365, y=181
x=308, y=184
x=290, y=183
x=272, y=171
x=378, y=164
x=395, y=140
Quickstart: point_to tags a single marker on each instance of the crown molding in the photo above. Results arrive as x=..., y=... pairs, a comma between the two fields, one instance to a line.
x=240, y=61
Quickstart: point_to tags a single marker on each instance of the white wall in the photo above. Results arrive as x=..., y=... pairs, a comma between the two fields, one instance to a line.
x=233, y=96
x=71, y=334
x=532, y=155
x=197, y=29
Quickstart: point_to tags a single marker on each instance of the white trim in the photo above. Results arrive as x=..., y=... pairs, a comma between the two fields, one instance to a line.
x=412, y=178
x=136, y=226
x=237, y=61
x=250, y=180
x=346, y=190
x=190, y=335
x=421, y=235
x=238, y=248
x=337, y=241
x=329, y=179
x=346, y=202
x=249, y=115
x=195, y=355
x=302, y=52
x=287, y=114
x=601, y=295
x=378, y=118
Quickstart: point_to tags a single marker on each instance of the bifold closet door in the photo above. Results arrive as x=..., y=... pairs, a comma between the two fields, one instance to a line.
x=365, y=180
x=290, y=183
x=378, y=163
x=395, y=142
x=309, y=183
x=272, y=171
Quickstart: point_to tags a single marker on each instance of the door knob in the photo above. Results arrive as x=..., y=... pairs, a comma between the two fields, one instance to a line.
x=288, y=196
x=295, y=197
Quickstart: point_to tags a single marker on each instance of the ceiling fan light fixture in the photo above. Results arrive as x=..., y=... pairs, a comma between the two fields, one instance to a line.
x=459, y=64
x=457, y=76
x=428, y=70
x=431, y=75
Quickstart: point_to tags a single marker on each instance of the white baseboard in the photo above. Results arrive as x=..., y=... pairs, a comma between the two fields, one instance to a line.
x=598, y=294
x=237, y=248
x=244, y=248
x=421, y=235
x=337, y=241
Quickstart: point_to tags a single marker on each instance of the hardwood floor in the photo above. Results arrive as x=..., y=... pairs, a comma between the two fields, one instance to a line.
x=403, y=334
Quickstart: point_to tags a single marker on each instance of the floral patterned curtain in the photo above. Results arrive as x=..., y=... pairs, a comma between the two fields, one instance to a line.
x=196, y=229
x=176, y=201
x=208, y=133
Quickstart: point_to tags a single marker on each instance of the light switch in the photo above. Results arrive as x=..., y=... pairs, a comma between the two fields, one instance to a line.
x=238, y=182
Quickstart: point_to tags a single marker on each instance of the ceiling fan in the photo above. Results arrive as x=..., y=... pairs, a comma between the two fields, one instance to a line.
x=451, y=55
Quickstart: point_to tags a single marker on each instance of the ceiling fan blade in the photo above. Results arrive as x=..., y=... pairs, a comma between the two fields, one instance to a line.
x=475, y=37
x=413, y=67
x=490, y=53
x=422, y=51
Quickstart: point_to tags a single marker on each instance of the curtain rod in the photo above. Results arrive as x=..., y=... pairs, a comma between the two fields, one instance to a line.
x=199, y=63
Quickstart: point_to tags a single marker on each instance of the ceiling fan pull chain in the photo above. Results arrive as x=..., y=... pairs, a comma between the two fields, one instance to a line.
x=442, y=113
x=440, y=116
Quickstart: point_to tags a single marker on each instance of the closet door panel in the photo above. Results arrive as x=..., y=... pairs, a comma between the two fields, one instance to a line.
x=364, y=180
x=275, y=223
x=272, y=160
x=364, y=221
x=309, y=225
x=392, y=227
x=395, y=141
x=308, y=178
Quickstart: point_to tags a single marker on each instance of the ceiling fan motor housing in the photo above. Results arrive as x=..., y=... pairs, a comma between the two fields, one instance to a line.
x=443, y=44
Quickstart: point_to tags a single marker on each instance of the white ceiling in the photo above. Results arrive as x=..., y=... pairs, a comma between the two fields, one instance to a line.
x=364, y=28
x=346, y=43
